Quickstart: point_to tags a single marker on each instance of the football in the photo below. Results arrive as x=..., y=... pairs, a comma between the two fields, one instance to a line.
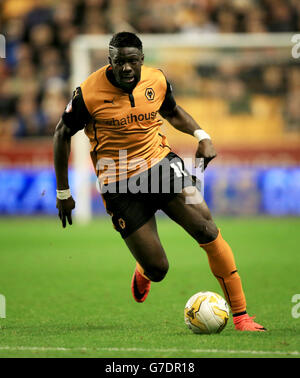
x=206, y=313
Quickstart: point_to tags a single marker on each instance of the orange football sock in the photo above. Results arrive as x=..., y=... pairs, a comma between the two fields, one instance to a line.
x=222, y=265
x=141, y=271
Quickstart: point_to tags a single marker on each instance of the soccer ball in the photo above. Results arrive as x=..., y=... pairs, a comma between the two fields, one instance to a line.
x=206, y=312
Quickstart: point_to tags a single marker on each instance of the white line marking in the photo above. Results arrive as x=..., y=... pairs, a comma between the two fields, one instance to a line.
x=112, y=349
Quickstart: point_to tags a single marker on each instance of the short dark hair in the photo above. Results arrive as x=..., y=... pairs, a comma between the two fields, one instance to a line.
x=126, y=39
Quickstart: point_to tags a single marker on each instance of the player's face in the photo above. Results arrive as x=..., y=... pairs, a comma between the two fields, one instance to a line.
x=126, y=64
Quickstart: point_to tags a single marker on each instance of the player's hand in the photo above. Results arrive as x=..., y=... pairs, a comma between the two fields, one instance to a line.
x=206, y=150
x=65, y=208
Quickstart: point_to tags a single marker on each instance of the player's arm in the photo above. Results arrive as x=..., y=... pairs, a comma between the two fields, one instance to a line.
x=74, y=118
x=62, y=148
x=185, y=123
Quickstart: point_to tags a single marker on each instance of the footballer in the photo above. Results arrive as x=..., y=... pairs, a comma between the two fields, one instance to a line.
x=118, y=106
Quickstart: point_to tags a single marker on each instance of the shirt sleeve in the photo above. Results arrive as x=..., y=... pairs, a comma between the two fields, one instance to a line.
x=169, y=102
x=76, y=115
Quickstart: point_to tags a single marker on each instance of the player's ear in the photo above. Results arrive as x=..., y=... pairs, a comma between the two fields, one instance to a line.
x=109, y=59
x=142, y=58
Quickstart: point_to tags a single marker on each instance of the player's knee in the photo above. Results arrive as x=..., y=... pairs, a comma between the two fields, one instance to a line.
x=158, y=272
x=206, y=232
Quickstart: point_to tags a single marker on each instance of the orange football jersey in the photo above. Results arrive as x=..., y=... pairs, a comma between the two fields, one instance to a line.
x=124, y=130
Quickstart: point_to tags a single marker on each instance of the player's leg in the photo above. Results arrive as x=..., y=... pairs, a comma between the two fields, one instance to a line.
x=196, y=219
x=152, y=262
x=147, y=249
x=133, y=216
x=189, y=210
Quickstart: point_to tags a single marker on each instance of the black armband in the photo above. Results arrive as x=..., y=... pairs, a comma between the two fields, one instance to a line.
x=76, y=115
x=169, y=102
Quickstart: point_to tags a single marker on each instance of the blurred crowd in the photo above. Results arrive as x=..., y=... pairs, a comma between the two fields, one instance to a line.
x=35, y=74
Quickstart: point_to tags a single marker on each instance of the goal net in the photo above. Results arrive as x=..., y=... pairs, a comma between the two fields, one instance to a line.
x=235, y=86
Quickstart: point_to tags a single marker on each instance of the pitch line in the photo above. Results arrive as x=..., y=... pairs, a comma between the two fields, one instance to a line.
x=145, y=350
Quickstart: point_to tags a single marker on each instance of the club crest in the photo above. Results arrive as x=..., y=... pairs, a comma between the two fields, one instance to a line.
x=150, y=94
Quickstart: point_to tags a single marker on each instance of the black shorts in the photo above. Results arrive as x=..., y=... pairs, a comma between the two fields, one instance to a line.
x=132, y=202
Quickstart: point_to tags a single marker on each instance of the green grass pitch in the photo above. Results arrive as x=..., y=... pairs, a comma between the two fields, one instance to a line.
x=68, y=291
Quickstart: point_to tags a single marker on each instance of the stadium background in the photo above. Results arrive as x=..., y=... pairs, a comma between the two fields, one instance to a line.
x=67, y=291
x=251, y=110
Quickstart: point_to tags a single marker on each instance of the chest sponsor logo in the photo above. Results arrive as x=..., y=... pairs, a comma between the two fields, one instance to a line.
x=129, y=119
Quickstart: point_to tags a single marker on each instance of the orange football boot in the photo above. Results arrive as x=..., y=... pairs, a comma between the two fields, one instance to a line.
x=140, y=287
x=245, y=323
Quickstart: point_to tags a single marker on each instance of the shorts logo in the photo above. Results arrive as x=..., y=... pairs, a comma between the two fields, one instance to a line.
x=150, y=94
x=122, y=223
